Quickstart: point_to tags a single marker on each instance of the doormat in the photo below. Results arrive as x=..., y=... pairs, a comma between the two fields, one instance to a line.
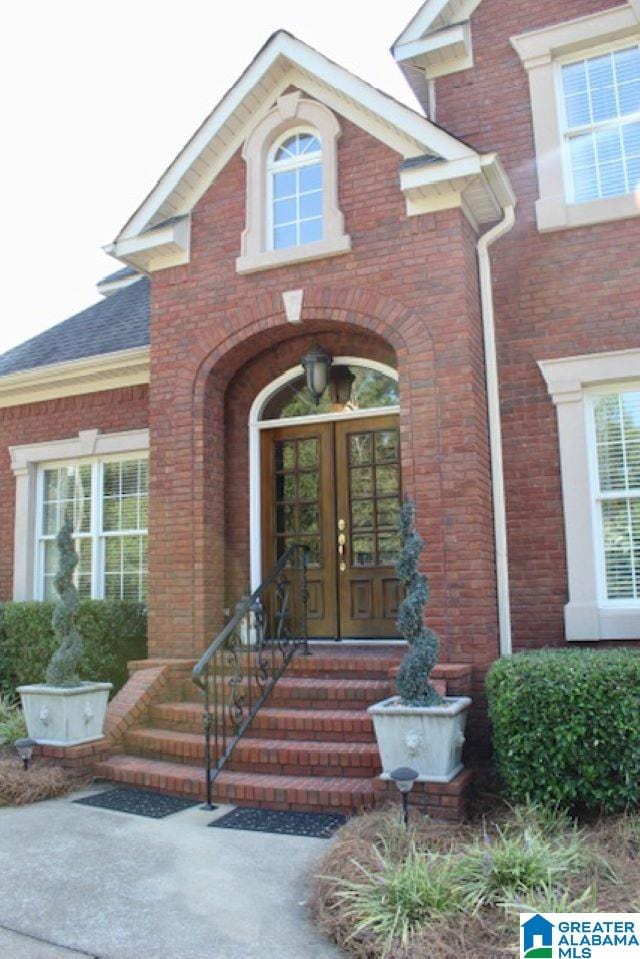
x=139, y=802
x=315, y=825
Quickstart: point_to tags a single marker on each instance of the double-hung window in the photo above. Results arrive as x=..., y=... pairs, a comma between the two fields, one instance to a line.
x=601, y=107
x=108, y=502
x=615, y=423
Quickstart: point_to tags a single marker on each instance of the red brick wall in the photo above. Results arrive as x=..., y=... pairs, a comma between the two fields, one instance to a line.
x=561, y=294
x=409, y=286
x=109, y=411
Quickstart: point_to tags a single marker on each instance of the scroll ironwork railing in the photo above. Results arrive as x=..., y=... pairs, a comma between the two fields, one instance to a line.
x=238, y=671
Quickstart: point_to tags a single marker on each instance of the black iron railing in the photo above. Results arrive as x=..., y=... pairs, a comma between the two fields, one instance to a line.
x=243, y=664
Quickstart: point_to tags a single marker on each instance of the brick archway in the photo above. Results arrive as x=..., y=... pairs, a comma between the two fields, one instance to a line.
x=188, y=593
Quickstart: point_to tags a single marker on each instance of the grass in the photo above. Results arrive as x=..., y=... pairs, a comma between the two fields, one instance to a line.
x=12, y=725
x=440, y=891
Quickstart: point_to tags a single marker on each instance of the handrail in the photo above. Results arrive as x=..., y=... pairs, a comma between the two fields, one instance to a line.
x=244, y=662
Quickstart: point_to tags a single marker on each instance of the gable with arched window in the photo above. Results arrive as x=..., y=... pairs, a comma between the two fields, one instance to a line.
x=292, y=187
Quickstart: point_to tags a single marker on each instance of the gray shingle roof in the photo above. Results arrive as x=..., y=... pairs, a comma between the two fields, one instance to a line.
x=119, y=275
x=119, y=322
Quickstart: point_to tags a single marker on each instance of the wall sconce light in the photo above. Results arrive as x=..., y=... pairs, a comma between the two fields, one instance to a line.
x=317, y=366
x=342, y=380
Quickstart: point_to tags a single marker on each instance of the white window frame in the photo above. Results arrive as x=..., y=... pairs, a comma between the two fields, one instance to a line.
x=541, y=52
x=573, y=382
x=568, y=132
x=26, y=463
x=291, y=113
x=283, y=166
x=97, y=535
x=597, y=497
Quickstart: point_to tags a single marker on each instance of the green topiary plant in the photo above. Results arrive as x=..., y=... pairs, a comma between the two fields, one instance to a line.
x=413, y=682
x=63, y=667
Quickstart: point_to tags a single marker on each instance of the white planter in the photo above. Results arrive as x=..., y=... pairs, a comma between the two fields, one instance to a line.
x=60, y=716
x=428, y=739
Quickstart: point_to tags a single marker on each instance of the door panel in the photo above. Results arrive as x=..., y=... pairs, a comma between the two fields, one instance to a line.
x=314, y=476
x=368, y=485
x=298, y=506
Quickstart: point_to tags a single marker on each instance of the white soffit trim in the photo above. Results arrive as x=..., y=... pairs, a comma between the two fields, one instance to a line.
x=282, y=62
x=90, y=374
x=436, y=42
x=478, y=185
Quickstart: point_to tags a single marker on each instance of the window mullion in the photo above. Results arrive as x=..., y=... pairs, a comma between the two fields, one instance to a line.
x=97, y=586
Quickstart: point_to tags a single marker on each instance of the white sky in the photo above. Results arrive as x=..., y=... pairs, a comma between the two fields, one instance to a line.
x=96, y=100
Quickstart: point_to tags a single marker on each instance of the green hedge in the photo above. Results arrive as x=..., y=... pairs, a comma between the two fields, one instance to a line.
x=566, y=726
x=113, y=632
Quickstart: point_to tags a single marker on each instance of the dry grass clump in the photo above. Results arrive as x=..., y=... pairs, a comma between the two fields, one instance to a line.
x=444, y=891
x=19, y=787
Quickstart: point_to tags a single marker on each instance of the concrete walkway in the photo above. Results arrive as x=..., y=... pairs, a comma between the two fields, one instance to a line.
x=79, y=882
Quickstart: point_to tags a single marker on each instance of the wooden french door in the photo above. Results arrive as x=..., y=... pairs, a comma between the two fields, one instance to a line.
x=336, y=487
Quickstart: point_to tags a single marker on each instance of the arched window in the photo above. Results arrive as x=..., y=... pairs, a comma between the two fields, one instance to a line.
x=295, y=191
x=292, y=212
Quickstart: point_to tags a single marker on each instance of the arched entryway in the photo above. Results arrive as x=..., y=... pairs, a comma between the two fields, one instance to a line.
x=329, y=476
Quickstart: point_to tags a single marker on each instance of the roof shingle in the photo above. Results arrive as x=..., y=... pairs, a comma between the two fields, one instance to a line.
x=119, y=322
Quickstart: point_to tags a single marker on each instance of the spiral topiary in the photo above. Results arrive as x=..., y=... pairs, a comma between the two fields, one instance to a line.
x=413, y=683
x=63, y=667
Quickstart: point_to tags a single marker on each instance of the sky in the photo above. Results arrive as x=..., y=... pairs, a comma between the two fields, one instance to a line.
x=97, y=99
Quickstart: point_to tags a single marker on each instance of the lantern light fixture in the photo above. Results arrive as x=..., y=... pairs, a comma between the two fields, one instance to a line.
x=317, y=366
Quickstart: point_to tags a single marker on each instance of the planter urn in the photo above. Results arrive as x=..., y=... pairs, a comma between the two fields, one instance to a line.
x=65, y=716
x=428, y=739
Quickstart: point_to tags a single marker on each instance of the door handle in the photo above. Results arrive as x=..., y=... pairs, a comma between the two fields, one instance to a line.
x=342, y=542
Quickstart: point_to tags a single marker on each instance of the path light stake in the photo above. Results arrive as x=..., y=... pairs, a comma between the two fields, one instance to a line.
x=404, y=778
x=24, y=749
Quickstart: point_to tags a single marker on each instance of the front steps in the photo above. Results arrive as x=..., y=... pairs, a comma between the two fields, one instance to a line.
x=311, y=747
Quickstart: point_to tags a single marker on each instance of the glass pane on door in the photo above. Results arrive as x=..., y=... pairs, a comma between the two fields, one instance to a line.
x=374, y=497
x=297, y=496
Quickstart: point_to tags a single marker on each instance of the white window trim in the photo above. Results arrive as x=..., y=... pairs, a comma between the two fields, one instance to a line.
x=572, y=381
x=282, y=166
x=290, y=113
x=541, y=52
x=26, y=463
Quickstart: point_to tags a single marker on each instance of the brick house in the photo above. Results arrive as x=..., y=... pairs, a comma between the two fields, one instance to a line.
x=472, y=269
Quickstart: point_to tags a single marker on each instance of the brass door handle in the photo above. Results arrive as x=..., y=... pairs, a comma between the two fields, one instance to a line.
x=342, y=542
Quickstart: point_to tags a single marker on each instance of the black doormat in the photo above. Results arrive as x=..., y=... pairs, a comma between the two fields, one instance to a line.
x=316, y=825
x=139, y=802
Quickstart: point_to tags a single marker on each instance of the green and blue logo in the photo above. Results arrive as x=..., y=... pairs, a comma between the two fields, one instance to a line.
x=537, y=938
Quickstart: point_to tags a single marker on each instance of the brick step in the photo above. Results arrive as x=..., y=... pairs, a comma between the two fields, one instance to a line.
x=307, y=794
x=277, y=756
x=306, y=691
x=339, y=725
x=366, y=664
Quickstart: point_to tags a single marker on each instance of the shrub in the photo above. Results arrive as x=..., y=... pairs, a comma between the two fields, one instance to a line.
x=394, y=899
x=566, y=727
x=12, y=724
x=516, y=862
x=113, y=631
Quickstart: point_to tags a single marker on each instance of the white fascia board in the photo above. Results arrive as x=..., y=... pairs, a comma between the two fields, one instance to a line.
x=429, y=174
x=427, y=15
x=105, y=289
x=451, y=38
x=168, y=245
x=498, y=179
x=298, y=54
x=90, y=374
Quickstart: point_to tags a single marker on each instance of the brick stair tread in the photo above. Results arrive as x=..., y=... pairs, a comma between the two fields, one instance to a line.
x=315, y=689
x=273, y=713
x=158, y=738
x=236, y=787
